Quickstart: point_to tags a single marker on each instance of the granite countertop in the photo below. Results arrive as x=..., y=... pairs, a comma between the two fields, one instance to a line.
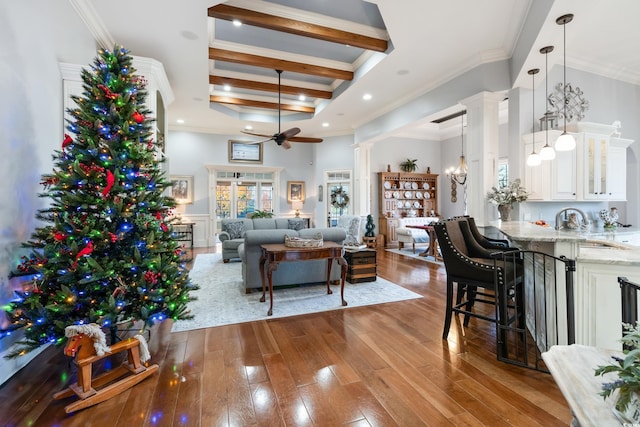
x=619, y=246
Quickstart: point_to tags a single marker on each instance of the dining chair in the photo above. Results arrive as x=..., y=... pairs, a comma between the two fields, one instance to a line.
x=629, y=297
x=484, y=241
x=477, y=273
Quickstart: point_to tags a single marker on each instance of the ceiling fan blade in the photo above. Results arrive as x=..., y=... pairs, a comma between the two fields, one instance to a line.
x=257, y=134
x=290, y=133
x=282, y=138
x=304, y=139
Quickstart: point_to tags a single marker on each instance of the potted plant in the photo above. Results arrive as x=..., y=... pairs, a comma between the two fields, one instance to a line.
x=261, y=214
x=627, y=384
x=409, y=165
x=506, y=195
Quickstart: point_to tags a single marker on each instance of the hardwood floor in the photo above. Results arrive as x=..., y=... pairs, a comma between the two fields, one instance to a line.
x=383, y=365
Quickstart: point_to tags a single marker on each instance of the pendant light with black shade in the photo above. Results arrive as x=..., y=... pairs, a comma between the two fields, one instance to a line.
x=565, y=141
x=547, y=152
x=534, y=158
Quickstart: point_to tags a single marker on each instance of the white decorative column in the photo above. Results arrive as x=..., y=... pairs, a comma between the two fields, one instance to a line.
x=362, y=179
x=481, y=150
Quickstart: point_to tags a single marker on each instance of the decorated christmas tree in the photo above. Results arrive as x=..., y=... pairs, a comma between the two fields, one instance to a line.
x=106, y=252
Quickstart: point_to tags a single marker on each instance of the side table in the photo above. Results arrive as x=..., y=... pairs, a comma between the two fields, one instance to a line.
x=361, y=265
x=371, y=242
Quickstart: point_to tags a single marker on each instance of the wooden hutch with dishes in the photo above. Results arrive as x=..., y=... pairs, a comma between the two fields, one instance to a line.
x=404, y=194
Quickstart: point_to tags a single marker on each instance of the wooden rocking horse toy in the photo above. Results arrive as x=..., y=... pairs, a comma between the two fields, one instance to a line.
x=87, y=344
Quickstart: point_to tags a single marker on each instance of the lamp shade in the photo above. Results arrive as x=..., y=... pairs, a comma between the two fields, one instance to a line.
x=296, y=205
x=565, y=142
x=462, y=167
x=534, y=159
x=547, y=153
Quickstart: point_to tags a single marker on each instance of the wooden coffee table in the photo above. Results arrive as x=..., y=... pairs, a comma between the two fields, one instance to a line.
x=275, y=253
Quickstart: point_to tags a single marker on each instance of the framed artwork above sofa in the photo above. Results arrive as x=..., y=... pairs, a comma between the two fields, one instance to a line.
x=295, y=191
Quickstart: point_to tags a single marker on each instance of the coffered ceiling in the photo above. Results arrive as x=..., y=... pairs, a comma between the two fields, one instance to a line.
x=336, y=51
x=315, y=51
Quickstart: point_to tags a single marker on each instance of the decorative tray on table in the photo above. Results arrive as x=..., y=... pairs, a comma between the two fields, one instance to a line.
x=300, y=242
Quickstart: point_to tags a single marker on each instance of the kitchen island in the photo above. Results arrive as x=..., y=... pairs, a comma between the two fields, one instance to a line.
x=601, y=257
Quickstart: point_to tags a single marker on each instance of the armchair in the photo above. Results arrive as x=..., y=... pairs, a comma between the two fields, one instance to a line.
x=351, y=225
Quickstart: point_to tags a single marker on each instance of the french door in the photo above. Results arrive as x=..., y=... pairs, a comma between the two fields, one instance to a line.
x=237, y=199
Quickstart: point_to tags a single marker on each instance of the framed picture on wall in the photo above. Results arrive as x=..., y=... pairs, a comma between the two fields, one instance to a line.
x=295, y=191
x=182, y=188
x=243, y=152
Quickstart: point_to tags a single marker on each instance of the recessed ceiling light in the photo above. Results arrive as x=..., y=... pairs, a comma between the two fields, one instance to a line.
x=248, y=127
x=325, y=125
x=180, y=121
x=302, y=97
x=227, y=88
x=403, y=72
x=366, y=96
x=237, y=22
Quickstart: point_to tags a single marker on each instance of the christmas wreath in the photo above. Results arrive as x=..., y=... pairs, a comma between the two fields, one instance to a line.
x=339, y=198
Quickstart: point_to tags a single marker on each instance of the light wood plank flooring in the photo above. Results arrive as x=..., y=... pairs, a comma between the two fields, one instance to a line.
x=383, y=365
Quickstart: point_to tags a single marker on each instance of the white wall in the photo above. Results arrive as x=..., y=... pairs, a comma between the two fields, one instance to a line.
x=31, y=124
x=190, y=152
x=335, y=153
x=393, y=151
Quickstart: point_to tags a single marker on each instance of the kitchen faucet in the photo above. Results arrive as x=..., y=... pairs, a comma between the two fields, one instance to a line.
x=581, y=225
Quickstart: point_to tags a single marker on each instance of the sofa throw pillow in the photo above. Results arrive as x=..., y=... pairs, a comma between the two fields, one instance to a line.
x=297, y=224
x=234, y=228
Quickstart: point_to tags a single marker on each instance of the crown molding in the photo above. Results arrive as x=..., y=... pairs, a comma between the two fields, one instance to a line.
x=154, y=69
x=94, y=23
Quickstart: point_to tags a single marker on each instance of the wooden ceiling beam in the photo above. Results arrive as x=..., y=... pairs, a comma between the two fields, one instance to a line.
x=260, y=104
x=278, y=64
x=269, y=87
x=300, y=28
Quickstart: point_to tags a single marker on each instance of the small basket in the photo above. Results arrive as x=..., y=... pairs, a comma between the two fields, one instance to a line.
x=299, y=242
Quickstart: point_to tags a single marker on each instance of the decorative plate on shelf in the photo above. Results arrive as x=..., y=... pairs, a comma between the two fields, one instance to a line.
x=407, y=185
x=407, y=204
x=414, y=185
x=418, y=194
x=387, y=185
x=425, y=185
x=416, y=205
x=387, y=194
x=399, y=205
x=396, y=194
x=427, y=195
x=407, y=195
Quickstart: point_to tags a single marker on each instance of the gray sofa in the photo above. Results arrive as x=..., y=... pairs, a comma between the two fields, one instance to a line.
x=232, y=234
x=287, y=273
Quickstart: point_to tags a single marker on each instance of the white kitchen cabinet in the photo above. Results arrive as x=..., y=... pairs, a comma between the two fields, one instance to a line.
x=617, y=168
x=596, y=147
x=595, y=171
x=552, y=179
x=604, y=163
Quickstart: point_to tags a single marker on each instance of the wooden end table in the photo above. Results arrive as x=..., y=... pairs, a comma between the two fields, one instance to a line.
x=275, y=253
x=432, y=249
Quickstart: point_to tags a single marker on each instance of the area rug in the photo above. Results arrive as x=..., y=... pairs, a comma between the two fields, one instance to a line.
x=409, y=253
x=222, y=299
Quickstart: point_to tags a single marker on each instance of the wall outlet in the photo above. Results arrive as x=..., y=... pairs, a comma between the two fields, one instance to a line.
x=527, y=216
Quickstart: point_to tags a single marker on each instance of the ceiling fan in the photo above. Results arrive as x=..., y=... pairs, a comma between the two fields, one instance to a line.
x=289, y=135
